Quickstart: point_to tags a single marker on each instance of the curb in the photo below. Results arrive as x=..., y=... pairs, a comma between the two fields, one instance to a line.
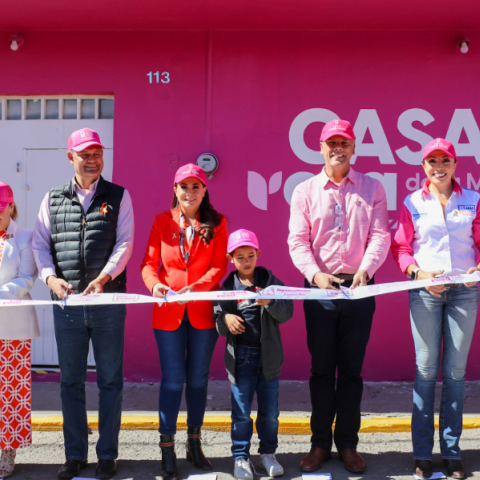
x=288, y=425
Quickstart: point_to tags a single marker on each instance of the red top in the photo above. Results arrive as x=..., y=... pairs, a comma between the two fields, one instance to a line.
x=205, y=269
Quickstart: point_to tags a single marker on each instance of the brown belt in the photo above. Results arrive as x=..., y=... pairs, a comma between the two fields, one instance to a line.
x=454, y=285
x=344, y=276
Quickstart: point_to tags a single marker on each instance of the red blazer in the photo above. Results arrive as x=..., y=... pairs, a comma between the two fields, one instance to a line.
x=205, y=269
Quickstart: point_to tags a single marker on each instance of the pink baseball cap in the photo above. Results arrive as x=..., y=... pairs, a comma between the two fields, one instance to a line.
x=440, y=144
x=190, y=170
x=242, y=238
x=6, y=196
x=82, y=139
x=337, y=127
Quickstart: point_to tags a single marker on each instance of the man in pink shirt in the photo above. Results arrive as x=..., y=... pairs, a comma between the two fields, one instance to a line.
x=339, y=235
x=82, y=241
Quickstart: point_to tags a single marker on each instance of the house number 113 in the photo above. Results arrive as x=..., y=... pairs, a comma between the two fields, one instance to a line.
x=165, y=77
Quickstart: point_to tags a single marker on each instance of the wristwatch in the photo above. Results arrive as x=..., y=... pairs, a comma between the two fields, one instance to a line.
x=413, y=275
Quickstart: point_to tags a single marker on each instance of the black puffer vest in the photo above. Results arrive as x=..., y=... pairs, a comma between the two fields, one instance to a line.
x=82, y=242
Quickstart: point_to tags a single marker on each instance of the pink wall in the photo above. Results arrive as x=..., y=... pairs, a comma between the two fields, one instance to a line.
x=260, y=82
x=307, y=15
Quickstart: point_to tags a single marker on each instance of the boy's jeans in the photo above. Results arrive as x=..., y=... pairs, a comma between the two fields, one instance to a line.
x=450, y=318
x=249, y=380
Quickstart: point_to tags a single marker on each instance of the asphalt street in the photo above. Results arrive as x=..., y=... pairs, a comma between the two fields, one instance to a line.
x=388, y=456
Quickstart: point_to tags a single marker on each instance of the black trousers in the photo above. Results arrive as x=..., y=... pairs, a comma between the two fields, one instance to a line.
x=337, y=335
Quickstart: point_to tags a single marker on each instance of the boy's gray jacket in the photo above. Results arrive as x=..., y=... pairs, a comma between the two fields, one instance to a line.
x=276, y=312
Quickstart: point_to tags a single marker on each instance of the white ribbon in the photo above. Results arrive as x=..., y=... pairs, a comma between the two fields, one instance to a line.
x=272, y=292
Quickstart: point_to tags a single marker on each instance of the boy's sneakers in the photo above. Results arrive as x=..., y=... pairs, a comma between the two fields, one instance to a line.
x=271, y=466
x=243, y=470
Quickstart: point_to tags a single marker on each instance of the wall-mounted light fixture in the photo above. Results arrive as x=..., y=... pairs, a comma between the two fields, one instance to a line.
x=462, y=42
x=16, y=39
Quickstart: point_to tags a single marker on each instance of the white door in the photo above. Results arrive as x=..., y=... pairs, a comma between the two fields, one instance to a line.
x=45, y=169
x=33, y=159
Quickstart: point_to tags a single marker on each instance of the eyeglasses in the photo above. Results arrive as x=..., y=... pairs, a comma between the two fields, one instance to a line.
x=338, y=218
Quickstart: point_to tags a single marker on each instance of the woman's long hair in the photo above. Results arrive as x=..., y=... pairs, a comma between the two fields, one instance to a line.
x=209, y=218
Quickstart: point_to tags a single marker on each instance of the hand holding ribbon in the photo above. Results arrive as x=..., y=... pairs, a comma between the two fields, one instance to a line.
x=434, y=290
x=184, y=290
x=59, y=286
x=159, y=290
x=471, y=270
x=96, y=286
x=325, y=280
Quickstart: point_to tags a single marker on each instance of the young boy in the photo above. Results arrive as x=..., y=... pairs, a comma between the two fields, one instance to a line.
x=253, y=354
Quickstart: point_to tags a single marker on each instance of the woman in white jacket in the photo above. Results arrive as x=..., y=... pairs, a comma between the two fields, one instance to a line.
x=18, y=325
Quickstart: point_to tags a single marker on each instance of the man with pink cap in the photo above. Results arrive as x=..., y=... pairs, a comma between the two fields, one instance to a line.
x=82, y=242
x=339, y=235
x=439, y=234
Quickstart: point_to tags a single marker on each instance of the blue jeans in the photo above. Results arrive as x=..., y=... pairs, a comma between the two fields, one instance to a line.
x=185, y=356
x=74, y=328
x=450, y=318
x=249, y=379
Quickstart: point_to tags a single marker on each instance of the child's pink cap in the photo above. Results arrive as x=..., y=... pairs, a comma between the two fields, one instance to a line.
x=190, y=170
x=337, y=127
x=242, y=238
x=82, y=139
x=6, y=196
x=440, y=144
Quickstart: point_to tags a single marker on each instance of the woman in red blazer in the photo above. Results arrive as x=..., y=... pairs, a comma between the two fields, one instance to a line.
x=189, y=244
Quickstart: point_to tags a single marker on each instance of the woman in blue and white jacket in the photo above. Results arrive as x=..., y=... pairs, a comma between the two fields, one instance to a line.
x=438, y=228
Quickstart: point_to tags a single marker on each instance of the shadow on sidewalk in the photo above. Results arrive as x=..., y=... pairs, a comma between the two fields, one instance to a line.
x=379, y=466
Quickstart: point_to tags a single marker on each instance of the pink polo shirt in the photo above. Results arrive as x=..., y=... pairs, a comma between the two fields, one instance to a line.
x=352, y=237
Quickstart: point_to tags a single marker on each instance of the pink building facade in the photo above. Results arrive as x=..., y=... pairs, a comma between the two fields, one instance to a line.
x=253, y=83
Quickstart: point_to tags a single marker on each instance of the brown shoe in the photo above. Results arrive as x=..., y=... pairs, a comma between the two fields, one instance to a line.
x=313, y=460
x=353, y=461
x=423, y=468
x=455, y=468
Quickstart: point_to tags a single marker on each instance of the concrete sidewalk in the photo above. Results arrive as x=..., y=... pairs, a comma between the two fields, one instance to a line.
x=386, y=407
